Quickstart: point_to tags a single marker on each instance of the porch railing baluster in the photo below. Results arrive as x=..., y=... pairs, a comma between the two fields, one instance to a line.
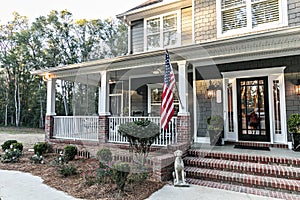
x=166, y=137
x=76, y=127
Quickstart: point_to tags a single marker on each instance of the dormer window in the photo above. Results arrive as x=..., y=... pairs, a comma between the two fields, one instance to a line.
x=240, y=16
x=162, y=31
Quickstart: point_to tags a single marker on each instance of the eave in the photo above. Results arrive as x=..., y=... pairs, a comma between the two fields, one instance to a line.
x=279, y=43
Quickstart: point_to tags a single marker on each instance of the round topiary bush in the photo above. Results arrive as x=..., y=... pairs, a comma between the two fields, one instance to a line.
x=18, y=145
x=120, y=173
x=70, y=152
x=104, y=155
x=6, y=144
x=40, y=148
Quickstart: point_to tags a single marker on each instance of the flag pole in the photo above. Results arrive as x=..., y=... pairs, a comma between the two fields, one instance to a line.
x=177, y=93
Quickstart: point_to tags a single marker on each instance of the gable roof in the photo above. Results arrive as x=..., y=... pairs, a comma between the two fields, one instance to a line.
x=145, y=4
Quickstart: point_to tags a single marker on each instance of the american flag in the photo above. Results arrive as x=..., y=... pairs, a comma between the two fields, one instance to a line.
x=167, y=105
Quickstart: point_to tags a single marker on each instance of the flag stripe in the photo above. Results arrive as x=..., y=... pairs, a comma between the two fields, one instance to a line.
x=167, y=106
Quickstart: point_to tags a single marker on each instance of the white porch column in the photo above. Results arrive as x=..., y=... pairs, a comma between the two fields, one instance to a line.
x=103, y=105
x=183, y=87
x=51, y=83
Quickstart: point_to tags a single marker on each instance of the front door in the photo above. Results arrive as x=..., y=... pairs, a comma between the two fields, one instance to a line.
x=253, y=109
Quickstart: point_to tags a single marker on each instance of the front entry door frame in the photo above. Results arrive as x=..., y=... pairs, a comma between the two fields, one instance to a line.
x=230, y=83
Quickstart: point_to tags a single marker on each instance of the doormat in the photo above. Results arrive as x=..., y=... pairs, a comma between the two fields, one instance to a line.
x=237, y=146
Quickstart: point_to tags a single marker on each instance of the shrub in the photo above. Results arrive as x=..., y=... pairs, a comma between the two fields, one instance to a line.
x=11, y=155
x=104, y=155
x=36, y=159
x=66, y=169
x=138, y=178
x=40, y=148
x=70, y=152
x=62, y=167
x=18, y=145
x=103, y=173
x=293, y=123
x=6, y=144
x=120, y=173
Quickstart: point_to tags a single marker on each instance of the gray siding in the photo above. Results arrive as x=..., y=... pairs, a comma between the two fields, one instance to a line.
x=137, y=36
x=186, y=26
x=294, y=12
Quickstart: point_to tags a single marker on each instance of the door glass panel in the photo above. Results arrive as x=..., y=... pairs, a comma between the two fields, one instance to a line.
x=252, y=119
x=276, y=97
x=230, y=108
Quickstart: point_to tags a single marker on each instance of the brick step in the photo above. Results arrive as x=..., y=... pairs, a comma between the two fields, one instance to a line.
x=245, y=157
x=244, y=189
x=244, y=167
x=262, y=182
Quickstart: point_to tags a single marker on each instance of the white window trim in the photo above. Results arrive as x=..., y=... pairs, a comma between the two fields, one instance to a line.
x=283, y=21
x=178, y=13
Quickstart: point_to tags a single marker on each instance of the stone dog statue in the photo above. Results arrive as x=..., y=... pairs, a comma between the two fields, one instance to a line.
x=179, y=174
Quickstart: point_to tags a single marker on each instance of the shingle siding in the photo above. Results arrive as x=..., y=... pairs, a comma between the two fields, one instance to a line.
x=294, y=12
x=205, y=20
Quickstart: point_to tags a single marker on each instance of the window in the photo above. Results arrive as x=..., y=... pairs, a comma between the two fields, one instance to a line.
x=238, y=16
x=162, y=31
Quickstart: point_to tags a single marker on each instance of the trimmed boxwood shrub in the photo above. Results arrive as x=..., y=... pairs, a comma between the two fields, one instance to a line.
x=18, y=145
x=6, y=144
x=120, y=173
x=70, y=152
x=40, y=148
x=104, y=155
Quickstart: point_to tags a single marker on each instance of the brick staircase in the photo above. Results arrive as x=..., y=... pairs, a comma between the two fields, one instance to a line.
x=271, y=176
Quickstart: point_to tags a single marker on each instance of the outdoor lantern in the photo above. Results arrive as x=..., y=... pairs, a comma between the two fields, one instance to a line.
x=211, y=90
x=297, y=87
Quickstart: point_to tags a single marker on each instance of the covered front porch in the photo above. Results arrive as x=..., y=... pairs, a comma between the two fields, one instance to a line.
x=109, y=95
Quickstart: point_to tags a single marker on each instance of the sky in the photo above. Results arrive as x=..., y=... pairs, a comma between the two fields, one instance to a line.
x=87, y=9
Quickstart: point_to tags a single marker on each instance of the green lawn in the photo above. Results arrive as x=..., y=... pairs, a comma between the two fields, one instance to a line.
x=21, y=130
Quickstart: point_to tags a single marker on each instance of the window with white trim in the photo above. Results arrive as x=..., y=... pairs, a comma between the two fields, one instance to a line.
x=162, y=31
x=245, y=15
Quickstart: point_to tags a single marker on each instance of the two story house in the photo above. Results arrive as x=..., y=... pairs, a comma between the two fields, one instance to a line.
x=231, y=58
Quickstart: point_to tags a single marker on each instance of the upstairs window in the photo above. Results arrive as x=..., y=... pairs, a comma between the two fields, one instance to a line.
x=238, y=16
x=162, y=31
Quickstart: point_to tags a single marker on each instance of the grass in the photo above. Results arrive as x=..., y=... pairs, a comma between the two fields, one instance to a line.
x=21, y=130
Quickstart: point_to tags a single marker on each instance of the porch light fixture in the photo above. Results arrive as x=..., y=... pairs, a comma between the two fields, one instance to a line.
x=297, y=87
x=46, y=77
x=211, y=90
x=157, y=71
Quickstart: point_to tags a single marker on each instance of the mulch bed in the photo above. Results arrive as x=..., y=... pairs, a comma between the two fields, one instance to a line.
x=75, y=185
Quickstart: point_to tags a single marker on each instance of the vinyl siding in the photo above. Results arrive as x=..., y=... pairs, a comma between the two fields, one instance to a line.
x=137, y=36
x=186, y=26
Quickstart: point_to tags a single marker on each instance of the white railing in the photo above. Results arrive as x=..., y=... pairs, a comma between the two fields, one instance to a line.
x=166, y=137
x=76, y=127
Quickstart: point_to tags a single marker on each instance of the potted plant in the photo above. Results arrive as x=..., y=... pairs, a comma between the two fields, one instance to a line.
x=293, y=124
x=215, y=126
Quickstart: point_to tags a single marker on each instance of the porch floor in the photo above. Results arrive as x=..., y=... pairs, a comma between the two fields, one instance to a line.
x=229, y=148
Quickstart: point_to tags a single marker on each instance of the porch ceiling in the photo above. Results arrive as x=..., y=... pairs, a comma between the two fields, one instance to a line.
x=279, y=43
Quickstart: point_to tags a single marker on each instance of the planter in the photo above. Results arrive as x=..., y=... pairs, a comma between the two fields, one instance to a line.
x=296, y=141
x=215, y=137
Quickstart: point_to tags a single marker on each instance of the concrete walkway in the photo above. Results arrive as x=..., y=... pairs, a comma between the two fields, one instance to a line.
x=194, y=192
x=16, y=185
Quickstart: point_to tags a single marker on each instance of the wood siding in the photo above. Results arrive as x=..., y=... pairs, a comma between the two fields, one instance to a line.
x=186, y=26
x=137, y=36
